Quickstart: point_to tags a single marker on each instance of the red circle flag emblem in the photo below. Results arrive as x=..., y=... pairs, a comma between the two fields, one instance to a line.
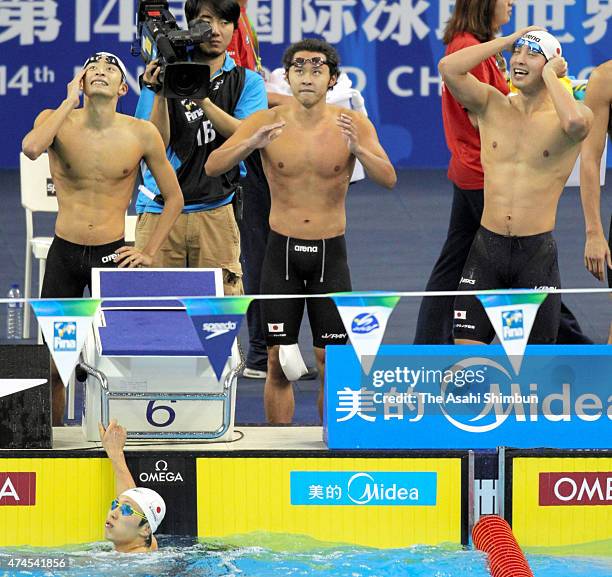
x=159, y=509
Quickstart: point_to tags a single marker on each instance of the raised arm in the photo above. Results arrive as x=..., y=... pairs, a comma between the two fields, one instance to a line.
x=225, y=124
x=113, y=440
x=252, y=99
x=167, y=182
x=48, y=122
x=598, y=99
x=152, y=105
x=575, y=118
x=254, y=133
x=364, y=144
x=455, y=71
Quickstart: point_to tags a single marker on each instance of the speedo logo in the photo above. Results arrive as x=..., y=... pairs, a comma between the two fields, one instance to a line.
x=218, y=329
x=303, y=248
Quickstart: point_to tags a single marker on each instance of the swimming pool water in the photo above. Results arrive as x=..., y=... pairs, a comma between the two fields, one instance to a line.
x=184, y=557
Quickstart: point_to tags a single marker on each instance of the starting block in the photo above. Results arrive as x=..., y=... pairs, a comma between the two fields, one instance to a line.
x=145, y=362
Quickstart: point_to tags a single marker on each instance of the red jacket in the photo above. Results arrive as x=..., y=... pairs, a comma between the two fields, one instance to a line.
x=243, y=47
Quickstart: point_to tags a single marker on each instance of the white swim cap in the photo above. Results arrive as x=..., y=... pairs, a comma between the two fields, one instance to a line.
x=110, y=58
x=151, y=503
x=546, y=43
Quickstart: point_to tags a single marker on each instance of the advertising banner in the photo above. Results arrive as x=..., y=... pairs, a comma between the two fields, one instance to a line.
x=65, y=325
x=389, y=49
x=468, y=397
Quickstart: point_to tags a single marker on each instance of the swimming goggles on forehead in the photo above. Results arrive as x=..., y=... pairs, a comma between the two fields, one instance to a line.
x=109, y=59
x=126, y=509
x=315, y=62
x=533, y=47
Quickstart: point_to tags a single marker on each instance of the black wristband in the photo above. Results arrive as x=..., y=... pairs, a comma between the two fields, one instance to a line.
x=153, y=87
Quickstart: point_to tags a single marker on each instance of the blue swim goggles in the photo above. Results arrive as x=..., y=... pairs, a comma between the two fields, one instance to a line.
x=126, y=509
x=533, y=47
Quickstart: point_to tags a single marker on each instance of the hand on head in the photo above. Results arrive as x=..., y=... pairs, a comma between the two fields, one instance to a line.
x=75, y=88
x=559, y=65
x=512, y=38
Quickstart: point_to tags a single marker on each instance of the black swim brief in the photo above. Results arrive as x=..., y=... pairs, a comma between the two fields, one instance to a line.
x=498, y=262
x=294, y=266
x=68, y=269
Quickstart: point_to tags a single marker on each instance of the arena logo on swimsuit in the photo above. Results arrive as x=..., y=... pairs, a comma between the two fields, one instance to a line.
x=302, y=248
x=109, y=258
x=364, y=323
x=64, y=336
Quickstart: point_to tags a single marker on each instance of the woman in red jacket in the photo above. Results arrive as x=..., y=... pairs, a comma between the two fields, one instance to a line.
x=473, y=22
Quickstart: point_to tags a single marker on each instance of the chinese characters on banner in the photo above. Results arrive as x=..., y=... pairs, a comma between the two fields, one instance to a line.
x=389, y=49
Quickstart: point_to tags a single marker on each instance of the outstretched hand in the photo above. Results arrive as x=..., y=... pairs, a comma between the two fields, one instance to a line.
x=113, y=437
x=266, y=134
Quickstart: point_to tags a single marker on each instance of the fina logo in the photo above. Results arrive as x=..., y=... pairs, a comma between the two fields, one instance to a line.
x=364, y=323
x=362, y=489
x=65, y=336
x=218, y=329
x=512, y=324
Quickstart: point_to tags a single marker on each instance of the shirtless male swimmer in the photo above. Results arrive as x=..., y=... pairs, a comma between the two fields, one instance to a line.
x=308, y=149
x=530, y=143
x=94, y=156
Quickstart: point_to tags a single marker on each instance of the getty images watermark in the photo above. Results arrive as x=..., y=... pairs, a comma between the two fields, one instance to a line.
x=547, y=387
x=32, y=564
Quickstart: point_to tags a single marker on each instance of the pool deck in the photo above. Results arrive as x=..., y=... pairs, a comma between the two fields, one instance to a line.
x=253, y=439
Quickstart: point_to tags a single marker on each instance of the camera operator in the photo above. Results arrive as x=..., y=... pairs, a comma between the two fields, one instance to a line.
x=205, y=234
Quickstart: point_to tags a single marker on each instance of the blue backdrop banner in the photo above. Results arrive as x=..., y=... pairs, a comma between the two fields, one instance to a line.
x=389, y=48
x=468, y=397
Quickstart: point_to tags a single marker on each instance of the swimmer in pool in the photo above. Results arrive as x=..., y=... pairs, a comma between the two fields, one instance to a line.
x=530, y=143
x=599, y=100
x=308, y=149
x=136, y=513
x=94, y=156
